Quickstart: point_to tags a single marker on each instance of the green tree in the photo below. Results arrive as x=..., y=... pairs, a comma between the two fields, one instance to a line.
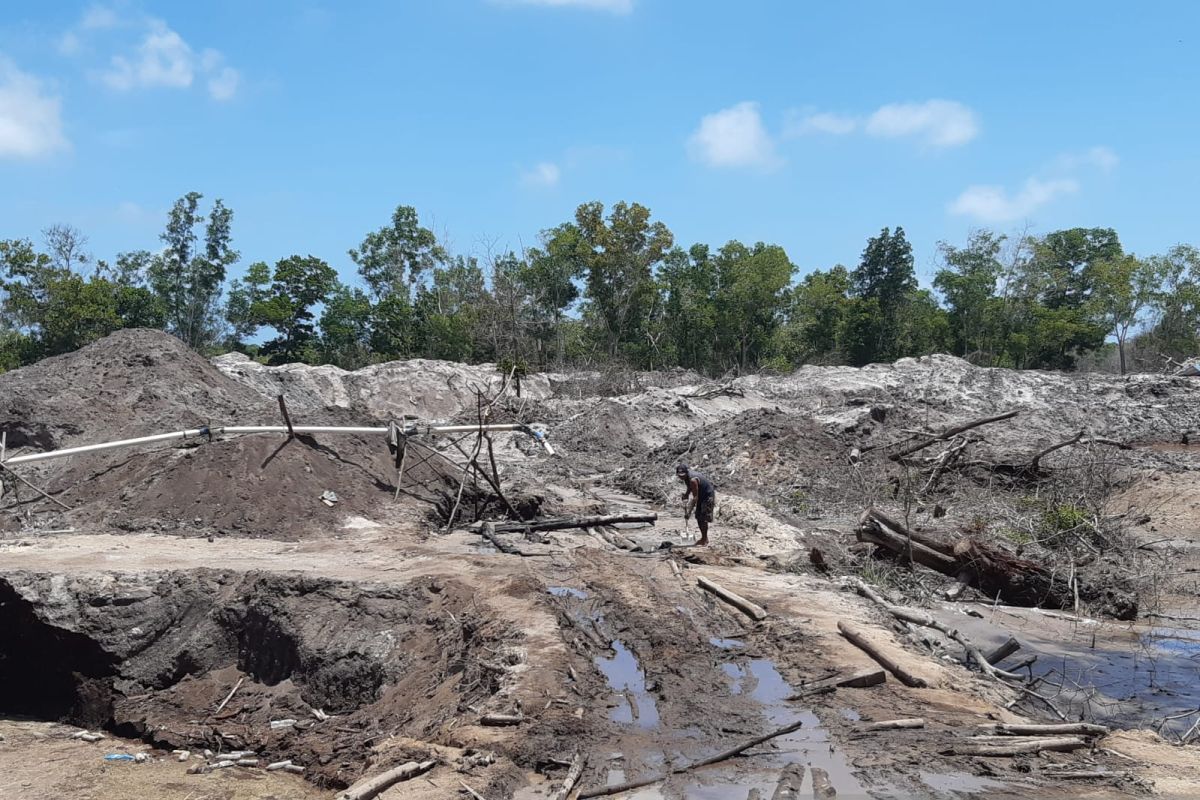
x=968, y=284
x=619, y=256
x=448, y=312
x=884, y=280
x=1175, y=312
x=688, y=280
x=241, y=298
x=750, y=299
x=816, y=326
x=1067, y=260
x=393, y=259
x=346, y=328
x=393, y=327
x=1124, y=288
x=548, y=276
x=298, y=284
x=189, y=279
x=48, y=309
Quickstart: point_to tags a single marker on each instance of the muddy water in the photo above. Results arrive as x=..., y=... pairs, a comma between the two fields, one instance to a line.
x=1124, y=675
x=626, y=677
x=760, y=681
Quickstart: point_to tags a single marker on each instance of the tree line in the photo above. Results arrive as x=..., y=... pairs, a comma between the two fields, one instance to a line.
x=609, y=287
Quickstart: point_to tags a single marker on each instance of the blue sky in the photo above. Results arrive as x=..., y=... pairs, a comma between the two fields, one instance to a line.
x=809, y=125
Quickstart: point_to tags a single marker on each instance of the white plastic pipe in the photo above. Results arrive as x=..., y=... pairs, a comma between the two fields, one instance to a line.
x=91, y=448
x=192, y=433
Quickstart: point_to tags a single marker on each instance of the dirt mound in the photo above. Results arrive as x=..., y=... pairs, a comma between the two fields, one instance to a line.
x=429, y=389
x=778, y=458
x=139, y=382
x=131, y=383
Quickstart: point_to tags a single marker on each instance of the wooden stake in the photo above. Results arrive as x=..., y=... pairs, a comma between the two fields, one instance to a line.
x=756, y=613
x=229, y=696
x=40, y=491
x=287, y=420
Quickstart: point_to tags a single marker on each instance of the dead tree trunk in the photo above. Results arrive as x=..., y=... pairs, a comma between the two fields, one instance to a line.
x=990, y=570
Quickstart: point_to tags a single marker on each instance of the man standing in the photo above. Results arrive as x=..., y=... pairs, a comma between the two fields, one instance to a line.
x=703, y=498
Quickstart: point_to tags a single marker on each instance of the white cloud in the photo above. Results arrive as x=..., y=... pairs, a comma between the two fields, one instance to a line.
x=994, y=204
x=69, y=44
x=544, y=174
x=1102, y=158
x=734, y=137
x=30, y=119
x=804, y=123
x=939, y=123
x=224, y=84
x=614, y=6
x=163, y=59
x=223, y=80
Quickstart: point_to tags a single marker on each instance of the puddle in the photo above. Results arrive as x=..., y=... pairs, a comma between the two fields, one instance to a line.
x=1124, y=675
x=625, y=677
x=727, y=644
x=567, y=591
x=850, y=715
x=954, y=783
x=759, y=680
x=736, y=674
x=1181, y=641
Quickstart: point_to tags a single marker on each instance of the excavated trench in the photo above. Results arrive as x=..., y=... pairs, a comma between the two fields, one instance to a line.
x=151, y=656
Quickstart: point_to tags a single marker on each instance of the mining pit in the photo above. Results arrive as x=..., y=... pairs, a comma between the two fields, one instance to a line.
x=178, y=617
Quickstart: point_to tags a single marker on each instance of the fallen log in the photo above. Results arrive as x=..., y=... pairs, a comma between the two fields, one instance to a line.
x=951, y=432
x=857, y=638
x=373, y=787
x=471, y=791
x=572, y=522
x=990, y=570
x=751, y=610
x=501, y=720
x=1002, y=651
x=932, y=542
x=896, y=724
x=1064, y=744
x=1067, y=729
x=822, y=786
x=926, y=620
x=604, y=791
x=790, y=781
x=572, y=777
x=861, y=679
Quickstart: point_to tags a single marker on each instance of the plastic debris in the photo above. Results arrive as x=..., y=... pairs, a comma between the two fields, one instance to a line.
x=118, y=757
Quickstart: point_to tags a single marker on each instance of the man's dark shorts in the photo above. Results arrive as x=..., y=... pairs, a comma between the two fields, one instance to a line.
x=705, y=508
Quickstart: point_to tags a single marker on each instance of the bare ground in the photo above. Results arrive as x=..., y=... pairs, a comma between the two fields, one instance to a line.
x=148, y=611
